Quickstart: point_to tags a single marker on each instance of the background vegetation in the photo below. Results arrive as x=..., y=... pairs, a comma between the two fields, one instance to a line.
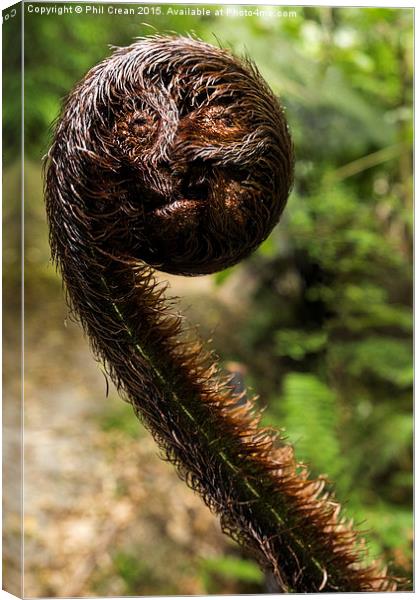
x=318, y=322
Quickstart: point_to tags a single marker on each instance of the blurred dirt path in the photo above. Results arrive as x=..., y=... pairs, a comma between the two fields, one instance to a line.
x=91, y=494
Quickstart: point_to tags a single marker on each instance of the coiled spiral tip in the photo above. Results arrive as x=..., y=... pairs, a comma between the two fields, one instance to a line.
x=181, y=152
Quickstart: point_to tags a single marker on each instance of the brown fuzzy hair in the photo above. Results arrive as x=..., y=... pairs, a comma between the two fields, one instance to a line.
x=174, y=154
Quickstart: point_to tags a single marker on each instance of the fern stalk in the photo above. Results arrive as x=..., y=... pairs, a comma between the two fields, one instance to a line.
x=175, y=155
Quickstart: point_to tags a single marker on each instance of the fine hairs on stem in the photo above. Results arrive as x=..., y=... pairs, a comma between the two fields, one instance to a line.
x=175, y=155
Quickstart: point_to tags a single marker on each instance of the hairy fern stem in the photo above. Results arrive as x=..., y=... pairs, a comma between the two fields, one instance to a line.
x=175, y=155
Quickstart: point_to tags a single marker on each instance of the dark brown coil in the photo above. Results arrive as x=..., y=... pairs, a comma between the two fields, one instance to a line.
x=176, y=155
x=183, y=154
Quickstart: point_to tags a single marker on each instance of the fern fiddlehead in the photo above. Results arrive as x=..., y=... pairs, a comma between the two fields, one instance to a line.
x=173, y=154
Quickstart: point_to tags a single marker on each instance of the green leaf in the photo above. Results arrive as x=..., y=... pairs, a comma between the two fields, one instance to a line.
x=310, y=415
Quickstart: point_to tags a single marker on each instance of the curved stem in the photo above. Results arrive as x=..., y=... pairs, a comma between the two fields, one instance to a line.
x=176, y=153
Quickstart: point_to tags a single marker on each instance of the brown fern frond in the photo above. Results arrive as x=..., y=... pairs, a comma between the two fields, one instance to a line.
x=173, y=154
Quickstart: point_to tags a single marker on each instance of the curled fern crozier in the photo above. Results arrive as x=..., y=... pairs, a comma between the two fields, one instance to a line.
x=175, y=155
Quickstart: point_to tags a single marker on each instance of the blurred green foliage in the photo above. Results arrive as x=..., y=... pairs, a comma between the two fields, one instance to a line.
x=327, y=341
x=137, y=575
x=333, y=287
x=230, y=569
x=119, y=417
x=11, y=85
